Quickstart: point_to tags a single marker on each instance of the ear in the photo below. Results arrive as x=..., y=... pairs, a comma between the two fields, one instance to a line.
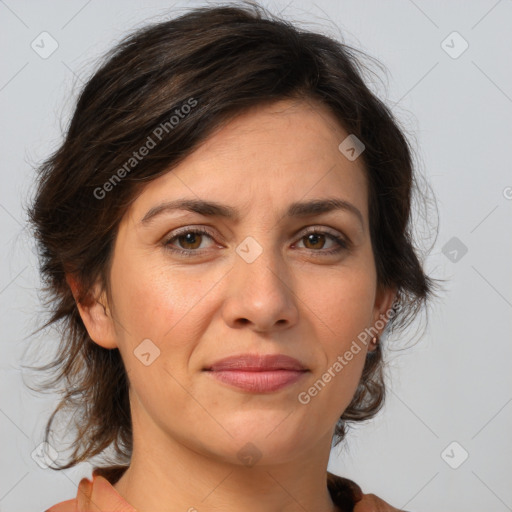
x=384, y=299
x=95, y=314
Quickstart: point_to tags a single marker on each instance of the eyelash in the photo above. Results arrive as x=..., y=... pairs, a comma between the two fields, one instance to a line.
x=342, y=243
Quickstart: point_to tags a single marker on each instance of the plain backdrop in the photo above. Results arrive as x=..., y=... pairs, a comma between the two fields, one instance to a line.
x=443, y=440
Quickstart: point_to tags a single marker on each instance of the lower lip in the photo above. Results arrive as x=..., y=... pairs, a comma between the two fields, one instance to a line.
x=258, y=382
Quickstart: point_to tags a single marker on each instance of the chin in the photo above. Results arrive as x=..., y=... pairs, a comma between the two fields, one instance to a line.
x=272, y=439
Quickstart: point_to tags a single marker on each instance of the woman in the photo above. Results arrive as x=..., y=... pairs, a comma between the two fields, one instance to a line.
x=225, y=239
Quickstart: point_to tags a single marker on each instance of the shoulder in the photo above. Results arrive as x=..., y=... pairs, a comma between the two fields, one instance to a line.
x=64, y=506
x=76, y=504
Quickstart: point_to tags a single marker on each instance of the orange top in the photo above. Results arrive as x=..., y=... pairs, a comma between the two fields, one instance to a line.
x=96, y=496
x=99, y=495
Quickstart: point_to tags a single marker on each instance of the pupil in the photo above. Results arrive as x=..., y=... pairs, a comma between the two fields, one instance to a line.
x=190, y=238
x=314, y=239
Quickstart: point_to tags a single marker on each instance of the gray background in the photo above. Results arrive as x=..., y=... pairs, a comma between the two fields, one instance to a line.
x=453, y=384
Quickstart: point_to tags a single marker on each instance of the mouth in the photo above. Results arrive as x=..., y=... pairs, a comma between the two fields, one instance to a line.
x=258, y=373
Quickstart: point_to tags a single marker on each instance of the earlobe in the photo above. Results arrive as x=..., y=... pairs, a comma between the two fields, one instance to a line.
x=95, y=314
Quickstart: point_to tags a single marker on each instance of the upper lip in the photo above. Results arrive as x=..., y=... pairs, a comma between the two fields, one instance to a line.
x=257, y=363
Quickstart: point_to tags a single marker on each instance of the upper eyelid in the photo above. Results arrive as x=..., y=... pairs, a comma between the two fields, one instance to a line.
x=209, y=229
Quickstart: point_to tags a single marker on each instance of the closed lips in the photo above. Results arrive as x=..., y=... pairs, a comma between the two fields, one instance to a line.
x=253, y=373
x=257, y=363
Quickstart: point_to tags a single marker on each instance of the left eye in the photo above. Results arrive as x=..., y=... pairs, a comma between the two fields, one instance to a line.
x=314, y=237
x=193, y=238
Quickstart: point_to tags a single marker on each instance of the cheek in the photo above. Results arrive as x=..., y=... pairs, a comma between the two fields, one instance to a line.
x=163, y=305
x=152, y=301
x=343, y=306
x=342, y=311
x=332, y=387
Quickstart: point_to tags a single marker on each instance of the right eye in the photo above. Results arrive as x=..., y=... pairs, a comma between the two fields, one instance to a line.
x=187, y=236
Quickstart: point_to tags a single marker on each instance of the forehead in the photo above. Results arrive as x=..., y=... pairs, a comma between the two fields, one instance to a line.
x=296, y=127
x=266, y=158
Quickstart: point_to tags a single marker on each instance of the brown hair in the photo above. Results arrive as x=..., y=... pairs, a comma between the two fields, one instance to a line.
x=220, y=62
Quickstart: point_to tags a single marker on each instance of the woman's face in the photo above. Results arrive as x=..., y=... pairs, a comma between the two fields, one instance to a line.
x=258, y=283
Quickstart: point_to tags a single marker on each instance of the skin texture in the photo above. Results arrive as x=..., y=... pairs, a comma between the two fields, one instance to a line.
x=293, y=299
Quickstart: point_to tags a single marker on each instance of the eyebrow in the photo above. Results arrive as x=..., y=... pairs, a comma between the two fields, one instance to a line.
x=213, y=209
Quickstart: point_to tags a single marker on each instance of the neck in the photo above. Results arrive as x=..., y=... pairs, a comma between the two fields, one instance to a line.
x=168, y=475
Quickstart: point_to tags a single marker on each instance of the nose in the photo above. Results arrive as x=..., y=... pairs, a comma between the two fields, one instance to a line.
x=259, y=295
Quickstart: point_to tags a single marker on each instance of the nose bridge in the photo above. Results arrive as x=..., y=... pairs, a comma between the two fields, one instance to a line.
x=260, y=290
x=260, y=261
x=260, y=265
